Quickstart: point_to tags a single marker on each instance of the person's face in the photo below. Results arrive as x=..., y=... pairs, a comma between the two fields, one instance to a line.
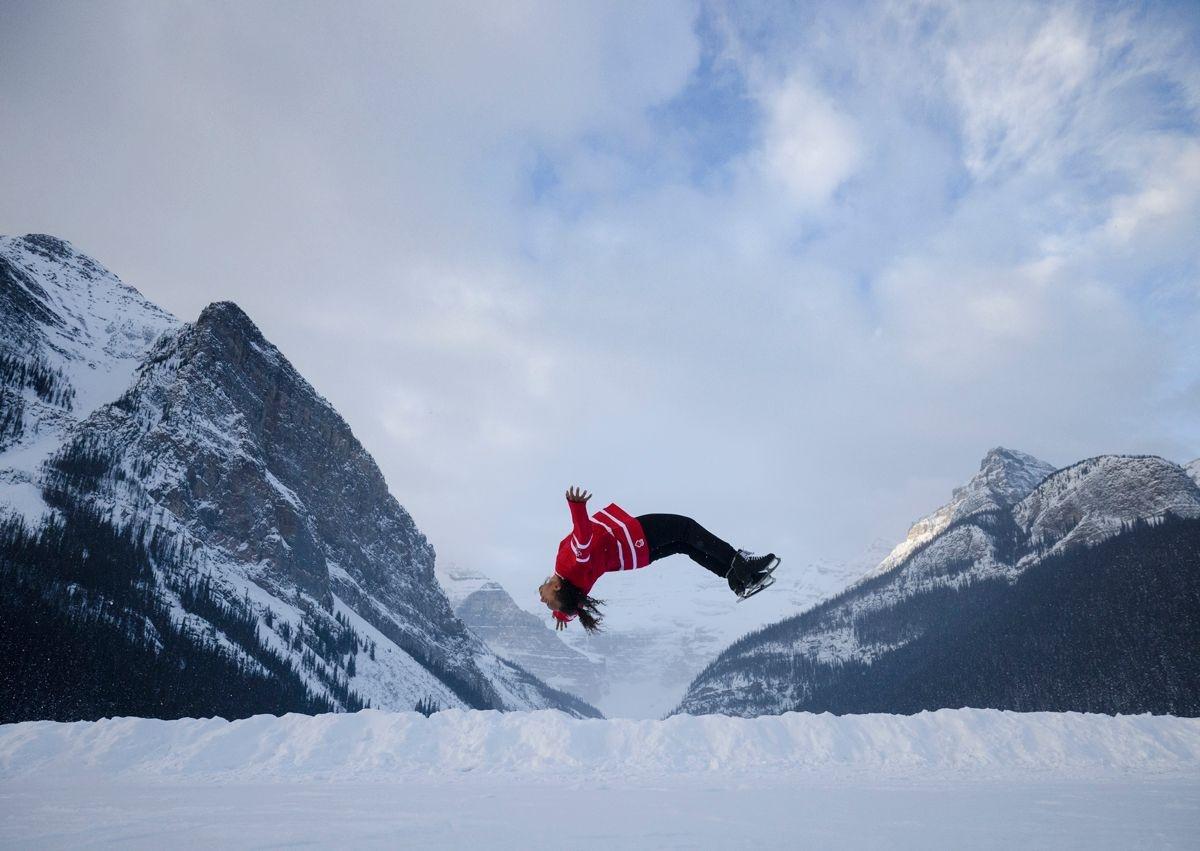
x=548, y=591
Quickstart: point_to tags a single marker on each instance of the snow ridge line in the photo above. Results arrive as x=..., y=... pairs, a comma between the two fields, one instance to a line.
x=376, y=744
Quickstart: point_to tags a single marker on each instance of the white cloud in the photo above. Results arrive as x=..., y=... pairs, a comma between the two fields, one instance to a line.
x=810, y=146
x=1168, y=194
x=1018, y=83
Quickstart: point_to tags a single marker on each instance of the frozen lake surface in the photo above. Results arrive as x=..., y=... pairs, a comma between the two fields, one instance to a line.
x=953, y=778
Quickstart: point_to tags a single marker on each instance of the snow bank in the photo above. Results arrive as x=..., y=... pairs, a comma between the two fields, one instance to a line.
x=460, y=779
x=373, y=744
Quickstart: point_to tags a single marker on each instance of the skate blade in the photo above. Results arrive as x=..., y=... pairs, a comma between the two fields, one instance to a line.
x=762, y=586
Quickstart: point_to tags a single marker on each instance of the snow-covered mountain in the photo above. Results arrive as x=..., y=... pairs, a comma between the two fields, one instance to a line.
x=1193, y=470
x=1015, y=547
x=517, y=635
x=71, y=336
x=1004, y=477
x=1097, y=498
x=243, y=521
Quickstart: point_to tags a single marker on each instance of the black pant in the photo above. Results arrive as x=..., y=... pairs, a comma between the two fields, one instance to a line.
x=669, y=534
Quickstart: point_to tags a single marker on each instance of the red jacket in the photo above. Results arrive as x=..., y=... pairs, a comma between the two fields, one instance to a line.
x=611, y=539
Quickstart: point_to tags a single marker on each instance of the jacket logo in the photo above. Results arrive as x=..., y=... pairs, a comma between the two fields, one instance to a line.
x=640, y=542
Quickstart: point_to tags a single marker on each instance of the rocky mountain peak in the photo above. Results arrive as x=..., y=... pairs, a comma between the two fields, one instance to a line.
x=50, y=247
x=49, y=260
x=225, y=331
x=228, y=316
x=460, y=582
x=1005, y=477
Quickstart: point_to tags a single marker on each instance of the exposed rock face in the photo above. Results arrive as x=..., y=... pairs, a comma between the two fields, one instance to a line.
x=826, y=658
x=232, y=451
x=518, y=635
x=251, y=486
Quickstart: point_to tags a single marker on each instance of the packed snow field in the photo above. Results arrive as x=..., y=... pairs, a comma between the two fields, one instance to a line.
x=941, y=779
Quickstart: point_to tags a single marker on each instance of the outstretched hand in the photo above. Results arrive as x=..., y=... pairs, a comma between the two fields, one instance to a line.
x=559, y=625
x=575, y=494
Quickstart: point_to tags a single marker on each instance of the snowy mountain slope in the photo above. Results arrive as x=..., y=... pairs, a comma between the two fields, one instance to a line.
x=947, y=779
x=263, y=530
x=795, y=662
x=1192, y=468
x=1005, y=477
x=1096, y=498
x=71, y=336
x=513, y=633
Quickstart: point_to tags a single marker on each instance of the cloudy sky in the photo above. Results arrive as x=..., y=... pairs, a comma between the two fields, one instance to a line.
x=789, y=268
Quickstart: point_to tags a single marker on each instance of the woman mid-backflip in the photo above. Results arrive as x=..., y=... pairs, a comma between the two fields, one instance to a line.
x=611, y=539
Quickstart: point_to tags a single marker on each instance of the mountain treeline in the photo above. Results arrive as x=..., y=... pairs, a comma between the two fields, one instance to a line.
x=87, y=632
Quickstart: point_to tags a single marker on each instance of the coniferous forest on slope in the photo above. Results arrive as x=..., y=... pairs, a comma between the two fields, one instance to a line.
x=1112, y=628
x=85, y=633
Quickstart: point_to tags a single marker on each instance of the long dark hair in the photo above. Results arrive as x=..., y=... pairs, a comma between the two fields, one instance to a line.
x=572, y=601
